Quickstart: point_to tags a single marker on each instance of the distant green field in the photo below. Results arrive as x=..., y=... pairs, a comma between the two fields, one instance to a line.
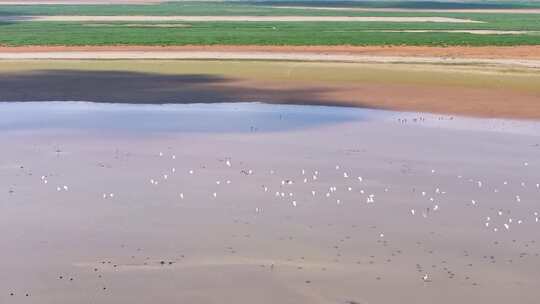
x=254, y=8
x=258, y=33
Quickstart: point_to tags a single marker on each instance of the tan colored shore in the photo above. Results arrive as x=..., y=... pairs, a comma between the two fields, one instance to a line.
x=458, y=89
x=465, y=52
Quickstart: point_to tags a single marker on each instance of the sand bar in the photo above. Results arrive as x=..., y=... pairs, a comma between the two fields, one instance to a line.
x=419, y=10
x=235, y=19
x=316, y=57
x=487, y=52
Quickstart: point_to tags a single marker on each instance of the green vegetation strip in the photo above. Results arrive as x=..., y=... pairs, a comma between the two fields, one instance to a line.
x=263, y=33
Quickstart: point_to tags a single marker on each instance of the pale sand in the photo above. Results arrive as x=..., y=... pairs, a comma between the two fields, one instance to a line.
x=277, y=56
x=476, y=32
x=501, y=52
x=420, y=10
x=235, y=19
x=222, y=249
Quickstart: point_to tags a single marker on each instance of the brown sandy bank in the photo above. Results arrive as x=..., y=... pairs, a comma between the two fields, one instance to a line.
x=465, y=90
x=496, y=52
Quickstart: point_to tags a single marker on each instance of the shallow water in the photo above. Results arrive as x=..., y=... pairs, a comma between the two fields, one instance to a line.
x=237, y=117
x=223, y=117
x=131, y=202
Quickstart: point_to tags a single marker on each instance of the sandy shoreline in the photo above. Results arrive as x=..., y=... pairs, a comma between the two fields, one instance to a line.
x=275, y=56
x=466, y=90
x=458, y=52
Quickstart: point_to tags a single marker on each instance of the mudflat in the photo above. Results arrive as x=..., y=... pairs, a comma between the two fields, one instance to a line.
x=452, y=89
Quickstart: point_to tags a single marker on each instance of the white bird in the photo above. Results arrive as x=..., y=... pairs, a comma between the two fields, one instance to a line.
x=181, y=195
x=228, y=163
x=173, y=157
x=214, y=194
x=190, y=171
x=294, y=203
x=426, y=278
x=412, y=211
x=66, y=188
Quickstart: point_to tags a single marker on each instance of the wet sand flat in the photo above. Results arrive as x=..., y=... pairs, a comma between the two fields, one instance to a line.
x=467, y=90
x=114, y=214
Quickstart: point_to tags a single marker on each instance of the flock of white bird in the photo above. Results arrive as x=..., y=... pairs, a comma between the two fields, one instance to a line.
x=282, y=188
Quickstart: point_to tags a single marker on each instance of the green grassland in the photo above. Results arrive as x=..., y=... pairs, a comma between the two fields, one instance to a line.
x=262, y=33
x=256, y=33
x=255, y=8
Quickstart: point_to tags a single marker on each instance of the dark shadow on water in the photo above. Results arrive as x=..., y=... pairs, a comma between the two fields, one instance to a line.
x=235, y=113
